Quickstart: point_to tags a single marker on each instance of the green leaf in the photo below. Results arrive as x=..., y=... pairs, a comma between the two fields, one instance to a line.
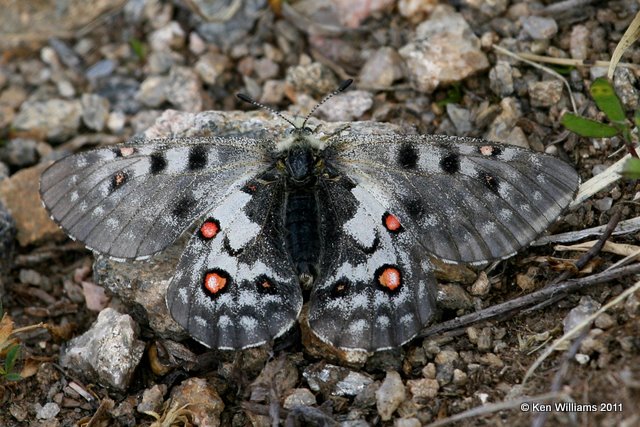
x=12, y=355
x=138, y=48
x=636, y=118
x=564, y=70
x=587, y=127
x=607, y=100
x=13, y=376
x=454, y=96
x=631, y=169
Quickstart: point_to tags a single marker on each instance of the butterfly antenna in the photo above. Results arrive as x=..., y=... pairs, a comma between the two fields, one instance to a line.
x=345, y=84
x=248, y=99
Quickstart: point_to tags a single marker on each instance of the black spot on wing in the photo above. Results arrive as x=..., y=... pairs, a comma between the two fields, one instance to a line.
x=408, y=156
x=184, y=206
x=158, y=163
x=197, y=157
x=450, y=163
x=490, y=181
x=414, y=208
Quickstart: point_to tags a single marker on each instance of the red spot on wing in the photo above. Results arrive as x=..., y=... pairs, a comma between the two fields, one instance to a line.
x=215, y=282
x=209, y=229
x=390, y=278
x=391, y=223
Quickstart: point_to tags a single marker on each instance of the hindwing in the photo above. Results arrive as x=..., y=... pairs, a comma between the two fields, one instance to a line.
x=375, y=290
x=234, y=286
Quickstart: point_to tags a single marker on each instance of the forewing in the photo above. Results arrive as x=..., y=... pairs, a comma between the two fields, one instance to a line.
x=464, y=199
x=133, y=200
x=234, y=286
x=376, y=290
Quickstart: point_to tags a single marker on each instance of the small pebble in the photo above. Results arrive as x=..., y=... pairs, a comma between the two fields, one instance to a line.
x=538, y=27
x=390, y=395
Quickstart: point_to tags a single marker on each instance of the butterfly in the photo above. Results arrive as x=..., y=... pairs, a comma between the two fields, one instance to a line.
x=346, y=222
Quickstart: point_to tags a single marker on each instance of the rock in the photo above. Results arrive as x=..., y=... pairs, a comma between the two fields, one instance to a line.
x=347, y=106
x=153, y=91
x=169, y=36
x=57, y=119
x=501, y=127
x=390, y=395
x=579, y=42
x=95, y=111
x=352, y=13
x=332, y=380
x=210, y=67
x=121, y=93
x=461, y=118
x=266, y=68
x=21, y=198
x=501, y=79
x=280, y=373
x=299, y=397
x=161, y=62
x=20, y=152
x=66, y=89
x=48, y=411
x=101, y=69
x=13, y=96
x=584, y=309
x=460, y=378
x=605, y=321
x=152, y=399
x=416, y=10
x=624, y=83
x=491, y=8
x=444, y=50
x=116, y=121
x=272, y=92
x=453, y=297
x=197, y=46
x=204, y=401
x=314, y=79
x=224, y=26
x=381, y=69
x=184, y=89
x=603, y=204
x=423, y=389
x=481, y=286
x=545, y=93
x=108, y=352
x=538, y=27
x=407, y=422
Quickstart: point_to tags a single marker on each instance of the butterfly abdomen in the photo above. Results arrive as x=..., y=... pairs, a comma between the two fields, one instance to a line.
x=302, y=232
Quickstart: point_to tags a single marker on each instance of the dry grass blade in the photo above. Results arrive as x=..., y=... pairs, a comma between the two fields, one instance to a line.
x=624, y=227
x=611, y=247
x=599, y=182
x=577, y=329
x=630, y=36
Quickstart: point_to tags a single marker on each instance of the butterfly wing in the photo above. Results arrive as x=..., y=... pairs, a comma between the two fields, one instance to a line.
x=375, y=290
x=133, y=200
x=234, y=285
x=463, y=199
